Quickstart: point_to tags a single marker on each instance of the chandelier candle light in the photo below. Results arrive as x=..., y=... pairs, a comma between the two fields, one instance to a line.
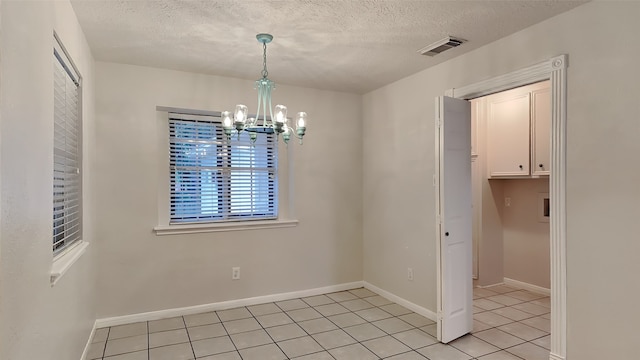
x=278, y=124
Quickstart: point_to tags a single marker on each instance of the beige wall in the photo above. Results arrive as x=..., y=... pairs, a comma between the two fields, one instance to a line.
x=526, y=239
x=602, y=180
x=490, y=247
x=38, y=321
x=140, y=271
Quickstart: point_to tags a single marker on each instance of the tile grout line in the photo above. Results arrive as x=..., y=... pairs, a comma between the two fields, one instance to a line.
x=148, y=342
x=227, y=332
x=186, y=329
x=104, y=349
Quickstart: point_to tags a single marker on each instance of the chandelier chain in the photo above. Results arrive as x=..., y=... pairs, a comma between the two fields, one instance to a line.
x=265, y=73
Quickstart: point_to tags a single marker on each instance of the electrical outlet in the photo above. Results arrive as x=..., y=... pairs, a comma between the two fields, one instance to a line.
x=507, y=201
x=410, y=274
x=235, y=273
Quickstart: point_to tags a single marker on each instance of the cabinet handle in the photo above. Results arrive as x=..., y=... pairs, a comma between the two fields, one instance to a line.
x=521, y=167
x=541, y=166
x=446, y=234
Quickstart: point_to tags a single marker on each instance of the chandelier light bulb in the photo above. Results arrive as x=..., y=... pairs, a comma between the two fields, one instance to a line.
x=226, y=119
x=281, y=114
x=240, y=116
x=301, y=121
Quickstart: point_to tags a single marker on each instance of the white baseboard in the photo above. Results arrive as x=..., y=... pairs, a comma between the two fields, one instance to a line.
x=88, y=344
x=400, y=301
x=526, y=286
x=488, y=286
x=167, y=313
x=555, y=357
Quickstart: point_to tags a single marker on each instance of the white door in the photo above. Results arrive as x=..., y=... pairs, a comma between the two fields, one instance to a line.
x=453, y=183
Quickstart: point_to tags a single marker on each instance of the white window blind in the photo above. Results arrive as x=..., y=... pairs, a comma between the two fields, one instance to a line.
x=213, y=179
x=67, y=159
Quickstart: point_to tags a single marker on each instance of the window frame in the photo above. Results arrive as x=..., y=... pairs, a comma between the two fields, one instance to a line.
x=64, y=258
x=286, y=211
x=244, y=176
x=61, y=56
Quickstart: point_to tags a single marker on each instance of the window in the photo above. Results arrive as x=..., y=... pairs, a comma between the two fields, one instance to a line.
x=215, y=179
x=67, y=152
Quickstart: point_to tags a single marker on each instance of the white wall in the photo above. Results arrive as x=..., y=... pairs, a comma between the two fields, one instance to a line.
x=38, y=321
x=140, y=271
x=602, y=176
x=526, y=238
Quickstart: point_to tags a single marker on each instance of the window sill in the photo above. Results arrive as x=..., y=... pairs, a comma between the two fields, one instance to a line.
x=228, y=226
x=63, y=262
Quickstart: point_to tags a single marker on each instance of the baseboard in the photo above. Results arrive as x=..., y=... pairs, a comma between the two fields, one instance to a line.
x=167, y=313
x=400, y=301
x=488, y=286
x=88, y=344
x=555, y=357
x=526, y=286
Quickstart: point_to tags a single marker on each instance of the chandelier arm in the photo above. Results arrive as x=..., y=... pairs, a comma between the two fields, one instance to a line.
x=270, y=107
x=259, y=85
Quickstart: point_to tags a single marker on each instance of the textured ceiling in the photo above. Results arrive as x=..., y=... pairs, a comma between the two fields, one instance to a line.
x=345, y=45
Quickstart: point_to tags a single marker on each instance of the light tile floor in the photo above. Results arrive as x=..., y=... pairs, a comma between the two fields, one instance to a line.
x=509, y=324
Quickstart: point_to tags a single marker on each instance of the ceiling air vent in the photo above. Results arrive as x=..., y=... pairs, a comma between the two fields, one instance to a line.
x=441, y=45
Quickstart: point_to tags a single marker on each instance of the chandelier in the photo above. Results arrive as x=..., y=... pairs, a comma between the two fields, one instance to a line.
x=261, y=123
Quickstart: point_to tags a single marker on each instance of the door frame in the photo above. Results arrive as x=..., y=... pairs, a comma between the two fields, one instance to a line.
x=554, y=69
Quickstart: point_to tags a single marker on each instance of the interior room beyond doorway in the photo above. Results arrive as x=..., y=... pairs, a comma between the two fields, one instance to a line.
x=510, y=177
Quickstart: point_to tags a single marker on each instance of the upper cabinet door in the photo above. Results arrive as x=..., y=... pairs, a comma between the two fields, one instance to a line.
x=508, y=133
x=540, y=131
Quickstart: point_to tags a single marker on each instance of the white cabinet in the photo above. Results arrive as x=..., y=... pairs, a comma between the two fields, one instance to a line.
x=508, y=134
x=540, y=131
x=517, y=126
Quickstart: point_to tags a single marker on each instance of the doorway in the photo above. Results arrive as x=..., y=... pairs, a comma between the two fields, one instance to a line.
x=554, y=70
x=511, y=235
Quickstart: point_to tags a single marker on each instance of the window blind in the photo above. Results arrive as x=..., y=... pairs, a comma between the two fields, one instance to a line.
x=67, y=183
x=213, y=179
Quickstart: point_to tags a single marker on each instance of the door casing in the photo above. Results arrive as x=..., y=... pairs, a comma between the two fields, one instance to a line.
x=554, y=69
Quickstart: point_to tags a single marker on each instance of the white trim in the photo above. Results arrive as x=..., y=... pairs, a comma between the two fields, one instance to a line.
x=532, y=74
x=553, y=356
x=400, y=301
x=490, y=285
x=556, y=70
x=436, y=177
x=89, y=342
x=223, y=226
x=526, y=286
x=196, y=309
x=63, y=262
